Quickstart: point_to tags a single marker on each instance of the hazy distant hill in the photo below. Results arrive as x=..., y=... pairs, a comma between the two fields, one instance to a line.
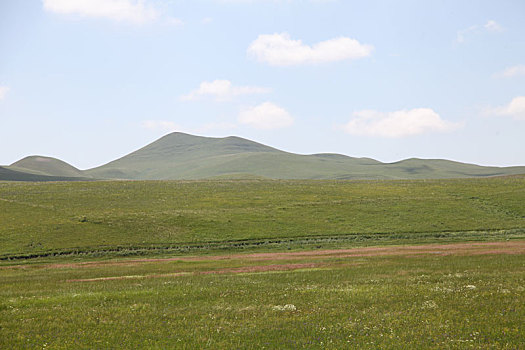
x=47, y=166
x=13, y=175
x=183, y=156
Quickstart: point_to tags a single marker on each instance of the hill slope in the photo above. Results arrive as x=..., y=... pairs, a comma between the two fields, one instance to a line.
x=13, y=175
x=47, y=166
x=183, y=156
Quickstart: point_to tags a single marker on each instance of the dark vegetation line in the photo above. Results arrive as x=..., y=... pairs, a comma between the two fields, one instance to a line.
x=296, y=242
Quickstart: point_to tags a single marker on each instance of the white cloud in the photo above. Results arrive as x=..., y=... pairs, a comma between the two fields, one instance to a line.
x=493, y=26
x=206, y=20
x=515, y=109
x=222, y=90
x=121, y=10
x=397, y=124
x=490, y=26
x=3, y=91
x=281, y=50
x=513, y=71
x=265, y=116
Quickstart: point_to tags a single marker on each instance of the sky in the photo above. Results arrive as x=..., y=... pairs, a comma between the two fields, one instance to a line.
x=88, y=81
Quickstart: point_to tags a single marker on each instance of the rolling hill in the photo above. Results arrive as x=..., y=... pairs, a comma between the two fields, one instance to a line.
x=40, y=168
x=48, y=166
x=183, y=156
x=7, y=174
x=179, y=156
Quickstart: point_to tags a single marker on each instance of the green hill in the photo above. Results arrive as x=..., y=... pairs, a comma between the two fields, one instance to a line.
x=183, y=156
x=13, y=175
x=47, y=166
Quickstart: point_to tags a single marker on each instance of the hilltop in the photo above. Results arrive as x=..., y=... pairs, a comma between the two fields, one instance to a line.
x=47, y=166
x=180, y=156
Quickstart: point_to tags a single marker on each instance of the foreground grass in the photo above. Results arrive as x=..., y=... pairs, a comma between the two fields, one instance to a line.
x=110, y=218
x=417, y=301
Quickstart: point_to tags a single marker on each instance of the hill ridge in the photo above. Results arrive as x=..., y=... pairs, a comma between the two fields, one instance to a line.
x=182, y=156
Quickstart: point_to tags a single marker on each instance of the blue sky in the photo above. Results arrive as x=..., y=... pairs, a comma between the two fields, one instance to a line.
x=88, y=81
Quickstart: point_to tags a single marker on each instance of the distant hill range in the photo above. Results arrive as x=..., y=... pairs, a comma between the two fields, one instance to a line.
x=182, y=156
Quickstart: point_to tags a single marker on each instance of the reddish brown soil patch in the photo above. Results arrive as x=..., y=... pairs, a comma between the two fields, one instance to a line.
x=468, y=248
x=247, y=269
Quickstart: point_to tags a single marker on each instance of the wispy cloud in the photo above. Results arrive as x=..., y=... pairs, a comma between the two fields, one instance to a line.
x=136, y=11
x=281, y=50
x=514, y=109
x=510, y=72
x=265, y=116
x=222, y=90
x=397, y=124
x=3, y=92
x=490, y=26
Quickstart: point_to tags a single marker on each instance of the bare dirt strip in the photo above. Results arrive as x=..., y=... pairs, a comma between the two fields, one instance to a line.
x=237, y=270
x=466, y=248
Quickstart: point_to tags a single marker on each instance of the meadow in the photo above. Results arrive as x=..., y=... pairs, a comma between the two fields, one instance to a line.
x=263, y=264
x=154, y=217
x=461, y=300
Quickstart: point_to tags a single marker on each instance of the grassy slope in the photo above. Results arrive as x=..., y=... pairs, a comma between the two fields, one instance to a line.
x=47, y=166
x=36, y=218
x=8, y=174
x=182, y=156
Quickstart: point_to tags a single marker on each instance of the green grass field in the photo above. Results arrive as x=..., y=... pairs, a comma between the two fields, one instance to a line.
x=421, y=301
x=113, y=217
x=243, y=264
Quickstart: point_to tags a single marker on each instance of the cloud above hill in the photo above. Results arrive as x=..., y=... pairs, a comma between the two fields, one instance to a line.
x=514, y=109
x=282, y=50
x=397, y=124
x=265, y=116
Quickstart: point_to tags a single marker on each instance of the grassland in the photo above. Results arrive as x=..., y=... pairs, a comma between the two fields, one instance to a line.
x=112, y=217
x=459, y=298
x=263, y=264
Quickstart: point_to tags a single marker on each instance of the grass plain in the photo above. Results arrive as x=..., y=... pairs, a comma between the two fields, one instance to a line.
x=141, y=216
x=453, y=300
x=244, y=264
